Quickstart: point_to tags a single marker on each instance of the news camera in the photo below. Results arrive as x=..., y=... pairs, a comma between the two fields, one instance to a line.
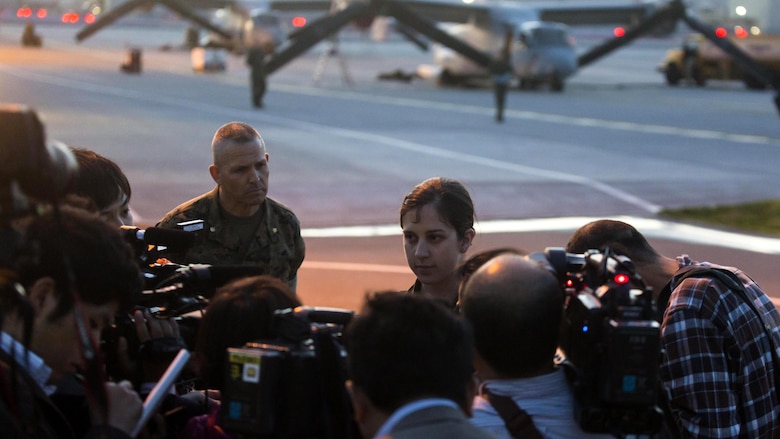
x=610, y=339
x=33, y=171
x=292, y=386
x=173, y=291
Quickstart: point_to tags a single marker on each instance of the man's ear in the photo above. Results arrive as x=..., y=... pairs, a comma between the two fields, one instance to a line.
x=214, y=173
x=359, y=401
x=42, y=296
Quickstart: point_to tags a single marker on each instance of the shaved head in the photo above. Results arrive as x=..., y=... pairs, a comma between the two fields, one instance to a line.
x=515, y=307
x=233, y=133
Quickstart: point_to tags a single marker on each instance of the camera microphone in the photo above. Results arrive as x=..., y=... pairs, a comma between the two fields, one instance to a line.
x=172, y=239
x=218, y=274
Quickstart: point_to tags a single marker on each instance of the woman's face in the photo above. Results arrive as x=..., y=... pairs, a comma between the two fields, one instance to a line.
x=432, y=247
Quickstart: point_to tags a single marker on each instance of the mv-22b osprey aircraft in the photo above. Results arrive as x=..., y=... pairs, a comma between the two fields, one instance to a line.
x=471, y=35
x=527, y=41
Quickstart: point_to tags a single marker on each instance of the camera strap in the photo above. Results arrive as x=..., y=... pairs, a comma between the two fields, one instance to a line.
x=517, y=421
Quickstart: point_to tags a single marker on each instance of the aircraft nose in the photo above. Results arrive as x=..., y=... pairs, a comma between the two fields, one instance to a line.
x=564, y=63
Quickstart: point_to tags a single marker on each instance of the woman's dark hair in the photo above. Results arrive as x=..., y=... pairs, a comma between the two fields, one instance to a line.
x=450, y=199
x=99, y=178
x=241, y=311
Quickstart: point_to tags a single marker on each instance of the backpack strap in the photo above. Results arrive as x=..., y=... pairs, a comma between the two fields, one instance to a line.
x=517, y=421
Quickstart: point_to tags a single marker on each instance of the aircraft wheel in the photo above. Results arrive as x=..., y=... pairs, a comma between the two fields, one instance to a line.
x=698, y=77
x=524, y=84
x=673, y=74
x=753, y=83
x=447, y=79
x=556, y=83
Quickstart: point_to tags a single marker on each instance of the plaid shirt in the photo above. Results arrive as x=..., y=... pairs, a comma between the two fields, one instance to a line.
x=718, y=367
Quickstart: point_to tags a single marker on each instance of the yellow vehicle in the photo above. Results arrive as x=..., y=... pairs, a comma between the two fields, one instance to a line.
x=699, y=60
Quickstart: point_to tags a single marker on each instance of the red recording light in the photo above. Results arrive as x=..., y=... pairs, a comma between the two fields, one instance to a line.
x=721, y=32
x=619, y=32
x=621, y=279
x=299, y=21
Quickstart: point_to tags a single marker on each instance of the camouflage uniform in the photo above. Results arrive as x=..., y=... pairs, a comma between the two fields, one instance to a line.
x=278, y=244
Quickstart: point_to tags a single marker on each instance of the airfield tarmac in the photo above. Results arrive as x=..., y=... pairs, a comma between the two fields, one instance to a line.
x=616, y=143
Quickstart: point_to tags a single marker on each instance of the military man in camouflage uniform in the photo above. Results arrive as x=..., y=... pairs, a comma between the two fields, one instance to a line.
x=242, y=225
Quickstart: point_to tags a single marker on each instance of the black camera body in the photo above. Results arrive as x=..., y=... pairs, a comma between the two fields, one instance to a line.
x=610, y=339
x=292, y=386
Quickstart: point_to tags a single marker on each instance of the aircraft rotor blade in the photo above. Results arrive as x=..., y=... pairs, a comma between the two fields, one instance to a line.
x=737, y=54
x=412, y=36
x=428, y=28
x=187, y=12
x=316, y=32
x=111, y=16
x=674, y=10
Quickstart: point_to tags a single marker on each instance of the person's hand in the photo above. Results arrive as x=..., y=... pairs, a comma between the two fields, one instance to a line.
x=150, y=327
x=147, y=328
x=124, y=406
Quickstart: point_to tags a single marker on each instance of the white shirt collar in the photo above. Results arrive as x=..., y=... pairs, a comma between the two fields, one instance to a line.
x=27, y=359
x=411, y=407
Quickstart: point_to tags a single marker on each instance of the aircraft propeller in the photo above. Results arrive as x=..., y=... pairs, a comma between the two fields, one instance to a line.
x=676, y=10
x=123, y=9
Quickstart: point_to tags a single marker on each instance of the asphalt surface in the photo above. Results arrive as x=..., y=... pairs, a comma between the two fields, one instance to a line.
x=617, y=142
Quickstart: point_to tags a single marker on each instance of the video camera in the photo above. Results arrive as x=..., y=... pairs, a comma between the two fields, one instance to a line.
x=610, y=338
x=32, y=167
x=180, y=292
x=292, y=386
x=33, y=171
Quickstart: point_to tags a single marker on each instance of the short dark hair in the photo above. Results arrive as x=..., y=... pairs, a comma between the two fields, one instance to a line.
x=241, y=311
x=77, y=248
x=99, y=178
x=515, y=308
x=450, y=199
x=620, y=237
x=402, y=347
x=238, y=132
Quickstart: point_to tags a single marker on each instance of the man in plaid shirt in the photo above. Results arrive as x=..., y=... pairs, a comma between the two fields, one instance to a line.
x=719, y=368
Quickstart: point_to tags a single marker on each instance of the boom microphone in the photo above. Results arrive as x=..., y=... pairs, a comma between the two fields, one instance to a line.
x=217, y=275
x=172, y=239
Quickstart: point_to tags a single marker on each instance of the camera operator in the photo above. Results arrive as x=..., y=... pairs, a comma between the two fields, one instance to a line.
x=409, y=360
x=512, y=298
x=70, y=276
x=719, y=336
x=240, y=312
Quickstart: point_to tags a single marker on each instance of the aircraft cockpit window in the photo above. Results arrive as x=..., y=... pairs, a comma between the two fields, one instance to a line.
x=266, y=20
x=550, y=36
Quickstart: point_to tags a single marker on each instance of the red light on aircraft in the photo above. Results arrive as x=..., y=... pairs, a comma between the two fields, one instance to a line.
x=740, y=32
x=621, y=279
x=89, y=18
x=70, y=17
x=24, y=13
x=299, y=21
x=619, y=32
x=41, y=13
x=721, y=32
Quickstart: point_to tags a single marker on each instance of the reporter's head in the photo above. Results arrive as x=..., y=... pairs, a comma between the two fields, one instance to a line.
x=70, y=263
x=240, y=312
x=405, y=347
